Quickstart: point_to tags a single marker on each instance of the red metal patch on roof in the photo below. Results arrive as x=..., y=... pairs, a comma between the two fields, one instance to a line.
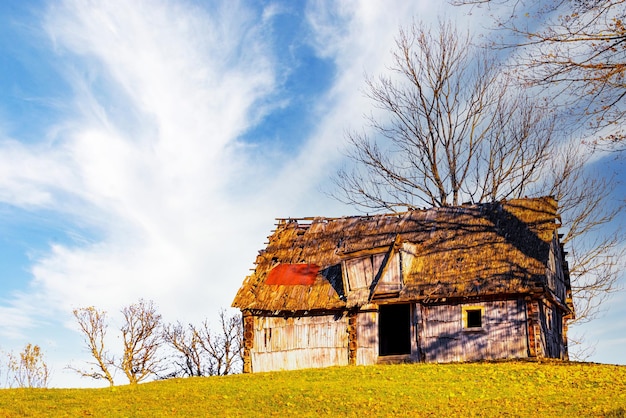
x=293, y=274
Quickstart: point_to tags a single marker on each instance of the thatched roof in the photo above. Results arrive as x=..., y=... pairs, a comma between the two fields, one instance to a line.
x=470, y=250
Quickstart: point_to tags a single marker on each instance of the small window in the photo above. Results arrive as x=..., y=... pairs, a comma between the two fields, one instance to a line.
x=473, y=317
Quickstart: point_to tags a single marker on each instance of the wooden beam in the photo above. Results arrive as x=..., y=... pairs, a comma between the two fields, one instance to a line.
x=364, y=253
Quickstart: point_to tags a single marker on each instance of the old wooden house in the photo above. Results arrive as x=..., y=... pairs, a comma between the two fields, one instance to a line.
x=474, y=282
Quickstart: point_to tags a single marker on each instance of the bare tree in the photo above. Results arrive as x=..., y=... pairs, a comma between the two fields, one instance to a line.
x=142, y=337
x=455, y=128
x=186, y=343
x=198, y=351
x=93, y=325
x=204, y=351
x=224, y=346
x=576, y=48
x=28, y=369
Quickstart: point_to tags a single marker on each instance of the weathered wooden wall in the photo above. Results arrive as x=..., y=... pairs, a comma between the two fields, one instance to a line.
x=443, y=338
x=553, y=325
x=555, y=274
x=552, y=331
x=367, y=337
x=516, y=328
x=360, y=273
x=297, y=343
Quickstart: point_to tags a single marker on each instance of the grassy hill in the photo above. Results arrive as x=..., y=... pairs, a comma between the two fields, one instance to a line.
x=478, y=389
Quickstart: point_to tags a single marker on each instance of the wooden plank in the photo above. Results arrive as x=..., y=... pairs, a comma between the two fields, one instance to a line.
x=293, y=343
x=367, y=336
x=365, y=252
x=442, y=336
x=390, y=277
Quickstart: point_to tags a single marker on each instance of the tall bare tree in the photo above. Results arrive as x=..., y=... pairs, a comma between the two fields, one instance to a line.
x=576, y=48
x=142, y=337
x=28, y=369
x=92, y=323
x=455, y=128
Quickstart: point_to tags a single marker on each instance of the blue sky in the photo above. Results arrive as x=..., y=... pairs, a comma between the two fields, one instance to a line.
x=147, y=146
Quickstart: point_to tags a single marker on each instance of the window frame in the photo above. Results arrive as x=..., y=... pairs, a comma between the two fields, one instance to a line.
x=465, y=317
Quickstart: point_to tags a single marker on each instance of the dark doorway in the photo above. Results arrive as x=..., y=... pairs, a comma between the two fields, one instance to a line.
x=394, y=329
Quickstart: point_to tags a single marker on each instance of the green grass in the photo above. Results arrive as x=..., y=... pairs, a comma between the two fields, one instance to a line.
x=547, y=389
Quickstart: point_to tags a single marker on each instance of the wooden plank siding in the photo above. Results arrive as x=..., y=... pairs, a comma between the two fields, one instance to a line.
x=552, y=330
x=557, y=275
x=438, y=335
x=444, y=339
x=391, y=278
x=554, y=273
x=302, y=342
x=367, y=338
x=361, y=274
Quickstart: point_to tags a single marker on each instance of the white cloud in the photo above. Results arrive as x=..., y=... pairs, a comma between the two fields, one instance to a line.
x=162, y=91
x=21, y=182
x=14, y=321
